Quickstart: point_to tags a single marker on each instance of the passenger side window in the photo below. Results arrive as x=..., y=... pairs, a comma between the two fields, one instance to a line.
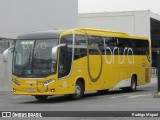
x=123, y=44
x=80, y=47
x=109, y=45
x=141, y=47
x=97, y=42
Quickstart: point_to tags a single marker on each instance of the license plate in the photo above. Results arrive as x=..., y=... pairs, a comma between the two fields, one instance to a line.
x=31, y=90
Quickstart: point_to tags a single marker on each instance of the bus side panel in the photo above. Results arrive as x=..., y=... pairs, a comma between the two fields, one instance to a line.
x=114, y=73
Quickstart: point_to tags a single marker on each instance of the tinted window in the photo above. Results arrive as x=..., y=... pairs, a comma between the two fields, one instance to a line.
x=109, y=45
x=123, y=44
x=141, y=47
x=80, y=47
x=95, y=42
x=65, y=56
x=120, y=46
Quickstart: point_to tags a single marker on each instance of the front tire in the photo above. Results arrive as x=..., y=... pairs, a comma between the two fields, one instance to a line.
x=79, y=91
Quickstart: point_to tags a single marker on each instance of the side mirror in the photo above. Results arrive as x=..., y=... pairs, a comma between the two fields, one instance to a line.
x=5, y=53
x=55, y=49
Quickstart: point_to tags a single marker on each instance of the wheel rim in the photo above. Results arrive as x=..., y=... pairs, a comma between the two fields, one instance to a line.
x=78, y=90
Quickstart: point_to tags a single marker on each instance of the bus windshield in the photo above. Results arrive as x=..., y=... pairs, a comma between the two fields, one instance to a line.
x=32, y=58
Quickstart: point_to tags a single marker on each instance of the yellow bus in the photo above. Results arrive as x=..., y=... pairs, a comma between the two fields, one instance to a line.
x=71, y=62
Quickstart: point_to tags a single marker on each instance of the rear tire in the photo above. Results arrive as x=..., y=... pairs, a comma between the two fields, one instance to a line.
x=133, y=85
x=41, y=97
x=79, y=91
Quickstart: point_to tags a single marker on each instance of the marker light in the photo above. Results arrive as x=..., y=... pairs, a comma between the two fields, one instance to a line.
x=14, y=90
x=48, y=82
x=16, y=82
x=52, y=90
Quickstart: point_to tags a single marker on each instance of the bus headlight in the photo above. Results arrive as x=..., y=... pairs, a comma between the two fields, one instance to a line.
x=48, y=82
x=16, y=82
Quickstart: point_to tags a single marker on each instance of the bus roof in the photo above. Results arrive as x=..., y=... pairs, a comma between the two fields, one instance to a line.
x=110, y=33
x=48, y=34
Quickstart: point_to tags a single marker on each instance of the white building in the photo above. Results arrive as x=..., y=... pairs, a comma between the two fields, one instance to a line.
x=140, y=23
x=22, y=16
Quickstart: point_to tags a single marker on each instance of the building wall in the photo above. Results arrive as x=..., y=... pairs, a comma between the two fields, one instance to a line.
x=21, y=16
x=133, y=22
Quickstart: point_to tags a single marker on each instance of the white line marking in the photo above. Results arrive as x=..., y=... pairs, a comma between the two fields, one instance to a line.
x=135, y=96
x=118, y=96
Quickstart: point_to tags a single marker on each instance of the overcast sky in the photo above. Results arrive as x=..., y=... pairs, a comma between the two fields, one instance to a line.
x=94, y=6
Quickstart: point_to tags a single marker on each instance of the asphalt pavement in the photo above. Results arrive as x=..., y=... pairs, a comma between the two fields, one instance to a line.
x=116, y=100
